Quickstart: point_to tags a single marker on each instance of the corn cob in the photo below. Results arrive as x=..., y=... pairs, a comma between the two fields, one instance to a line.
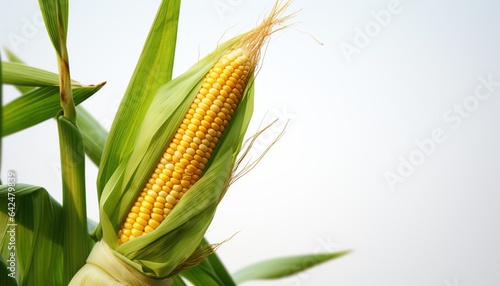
x=189, y=151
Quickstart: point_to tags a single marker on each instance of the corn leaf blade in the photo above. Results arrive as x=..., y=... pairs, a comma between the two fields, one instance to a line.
x=38, y=239
x=94, y=135
x=20, y=74
x=5, y=279
x=177, y=281
x=210, y=268
x=153, y=69
x=37, y=106
x=282, y=267
x=205, y=274
x=220, y=270
x=201, y=276
x=55, y=16
x=14, y=58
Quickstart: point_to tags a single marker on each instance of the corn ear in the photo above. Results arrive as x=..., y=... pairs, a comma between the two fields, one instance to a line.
x=190, y=149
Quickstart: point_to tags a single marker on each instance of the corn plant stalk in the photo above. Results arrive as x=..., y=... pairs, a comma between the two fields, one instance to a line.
x=76, y=240
x=55, y=14
x=67, y=103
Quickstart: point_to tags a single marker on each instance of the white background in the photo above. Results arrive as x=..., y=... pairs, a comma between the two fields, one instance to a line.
x=354, y=118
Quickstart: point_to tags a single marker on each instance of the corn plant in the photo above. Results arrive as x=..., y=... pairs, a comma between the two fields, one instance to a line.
x=175, y=147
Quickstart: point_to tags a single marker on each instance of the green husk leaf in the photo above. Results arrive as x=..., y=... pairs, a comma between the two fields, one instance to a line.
x=153, y=70
x=282, y=267
x=39, y=105
x=76, y=241
x=103, y=268
x=38, y=236
x=92, y=275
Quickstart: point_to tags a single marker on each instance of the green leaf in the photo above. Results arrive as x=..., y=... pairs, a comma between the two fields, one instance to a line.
x=177, y=281
x=76, y=240
x=55, y=16
x=219, y=268
x=153, y=70
x=5, y=279
x=204, y=274
x=14, y=58
x=37, y=232
x=94, y=135
x=282, y=267
x=38, y=105
x=19, y=74
x=201, y=275
x=211, y=269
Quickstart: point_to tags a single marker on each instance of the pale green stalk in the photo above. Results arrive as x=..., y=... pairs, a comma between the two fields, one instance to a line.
x=76, y=239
